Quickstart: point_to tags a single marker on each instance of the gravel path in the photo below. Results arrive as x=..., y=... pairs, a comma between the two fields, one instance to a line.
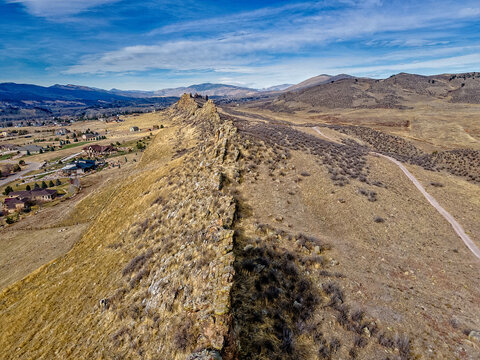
x=447, y=216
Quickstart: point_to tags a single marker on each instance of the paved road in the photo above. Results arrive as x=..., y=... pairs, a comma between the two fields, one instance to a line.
x=447, y=216
x=70, y=157
x=32, y=166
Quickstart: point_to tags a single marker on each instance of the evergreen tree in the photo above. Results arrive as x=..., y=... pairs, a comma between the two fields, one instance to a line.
x=51, y=184
x=36, y=186
x=58, y=182
x=28, y=188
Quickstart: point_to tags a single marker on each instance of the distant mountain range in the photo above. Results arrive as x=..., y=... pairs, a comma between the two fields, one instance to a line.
x=202, y=89
x=14, y=92
x=24, y=92
x=24, y=102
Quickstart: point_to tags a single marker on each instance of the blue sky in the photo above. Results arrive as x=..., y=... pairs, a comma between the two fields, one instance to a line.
x=155, y=44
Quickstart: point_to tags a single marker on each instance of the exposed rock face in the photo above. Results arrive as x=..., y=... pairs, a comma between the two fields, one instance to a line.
x=189, y=281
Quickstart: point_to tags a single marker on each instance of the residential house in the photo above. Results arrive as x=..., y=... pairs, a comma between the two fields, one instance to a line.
x=8, y=147
x=11, y=205
x=61, y=131
x=90, y=137
x=40, y=195
x=79, y=167
x=8, y=134
x=95, y=150
x=32, y=149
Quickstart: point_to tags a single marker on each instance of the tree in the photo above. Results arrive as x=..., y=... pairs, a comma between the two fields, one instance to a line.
x=58, y=182
x=51, y=184
x=36, y=186
x=28, y=188
x=7, y=190
x=16, y=168
x=9, y=220
x=28, y=152
x=21, y=162
x=44, y=185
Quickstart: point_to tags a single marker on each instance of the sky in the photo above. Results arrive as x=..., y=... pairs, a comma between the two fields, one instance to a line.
x=155, y=44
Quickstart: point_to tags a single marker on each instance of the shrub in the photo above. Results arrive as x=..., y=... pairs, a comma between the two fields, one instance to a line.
x=360, y=341
x=9, y=220
x=182, y=337
x=402, y=343
x=137, y=262
x=8, y=190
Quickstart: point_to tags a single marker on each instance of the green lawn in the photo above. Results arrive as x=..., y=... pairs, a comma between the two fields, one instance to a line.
x=6, y=156
x=75, y=144
x=22, y=186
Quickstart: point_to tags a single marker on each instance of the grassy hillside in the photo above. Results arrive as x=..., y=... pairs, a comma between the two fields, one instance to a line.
x=149, y=255
x=242, y=236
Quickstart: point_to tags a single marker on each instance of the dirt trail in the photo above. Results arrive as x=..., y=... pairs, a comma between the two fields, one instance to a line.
x=456, y=226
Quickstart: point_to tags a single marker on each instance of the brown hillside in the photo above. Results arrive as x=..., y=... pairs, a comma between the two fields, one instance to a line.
x=399, y=91
x=244, y=235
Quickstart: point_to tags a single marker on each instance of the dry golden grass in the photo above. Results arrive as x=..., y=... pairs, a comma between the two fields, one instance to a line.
x=145, y=253
x=431, y=126
x=23, y=251
x=88, y=272
x=307, y=255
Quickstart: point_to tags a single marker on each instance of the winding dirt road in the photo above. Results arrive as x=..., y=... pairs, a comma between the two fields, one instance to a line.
x=447, y=216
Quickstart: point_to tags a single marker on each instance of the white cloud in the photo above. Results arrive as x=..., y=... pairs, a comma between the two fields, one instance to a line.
x=238, y=51
x=54, y=8
x=296, y=44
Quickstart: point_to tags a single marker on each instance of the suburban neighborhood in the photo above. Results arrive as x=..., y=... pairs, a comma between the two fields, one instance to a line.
x=41, y=166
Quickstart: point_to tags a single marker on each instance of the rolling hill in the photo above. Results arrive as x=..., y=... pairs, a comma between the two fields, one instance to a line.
x=317, y=80
x=399, y=91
